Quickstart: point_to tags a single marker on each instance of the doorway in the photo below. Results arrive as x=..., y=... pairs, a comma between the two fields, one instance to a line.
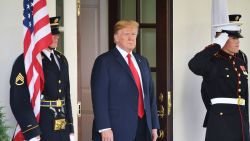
x=155, y=42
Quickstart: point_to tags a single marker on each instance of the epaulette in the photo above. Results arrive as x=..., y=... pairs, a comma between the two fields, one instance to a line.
x=58, y=52
x=60, y=55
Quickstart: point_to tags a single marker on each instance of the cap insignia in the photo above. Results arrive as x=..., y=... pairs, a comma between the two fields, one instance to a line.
x=237, y=18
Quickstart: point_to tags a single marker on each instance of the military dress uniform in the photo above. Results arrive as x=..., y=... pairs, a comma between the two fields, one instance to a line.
x=55, y=113
x=224, y=92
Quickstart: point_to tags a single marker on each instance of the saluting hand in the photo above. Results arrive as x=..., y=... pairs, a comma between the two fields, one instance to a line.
x=107, y=135
x=154, y=134
x=221, y=39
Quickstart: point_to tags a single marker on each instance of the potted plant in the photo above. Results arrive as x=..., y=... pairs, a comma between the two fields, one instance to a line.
x=3, y=128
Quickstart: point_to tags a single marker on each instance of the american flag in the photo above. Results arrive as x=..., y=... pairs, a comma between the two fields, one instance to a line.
x=37, y=36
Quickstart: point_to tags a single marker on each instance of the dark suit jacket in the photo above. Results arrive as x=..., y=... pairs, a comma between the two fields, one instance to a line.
x=115, y=96
x=20, y=99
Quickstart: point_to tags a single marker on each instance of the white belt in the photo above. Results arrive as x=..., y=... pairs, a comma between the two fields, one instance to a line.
x=237, y=101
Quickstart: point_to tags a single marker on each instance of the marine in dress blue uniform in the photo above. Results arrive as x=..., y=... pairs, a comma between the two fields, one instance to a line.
x=224, y=87
x=56, y=122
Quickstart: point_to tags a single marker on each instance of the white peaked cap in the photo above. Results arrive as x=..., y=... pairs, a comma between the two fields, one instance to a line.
x=228, y=26
x=221, y=21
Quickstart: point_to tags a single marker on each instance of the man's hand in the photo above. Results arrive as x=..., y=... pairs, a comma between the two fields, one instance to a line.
x=72, y=137
x=221, y=39
x=37, y=138
x=107, y=135
x=154, y=134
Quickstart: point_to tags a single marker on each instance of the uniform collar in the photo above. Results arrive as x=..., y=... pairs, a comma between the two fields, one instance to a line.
x=47, y=53
x=226, y=55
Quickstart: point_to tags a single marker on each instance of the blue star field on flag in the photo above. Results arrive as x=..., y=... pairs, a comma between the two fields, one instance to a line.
x=28, y=15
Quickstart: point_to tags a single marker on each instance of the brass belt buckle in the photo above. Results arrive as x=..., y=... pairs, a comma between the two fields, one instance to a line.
x=59, y=124
x=58, y=103
x=240, y=101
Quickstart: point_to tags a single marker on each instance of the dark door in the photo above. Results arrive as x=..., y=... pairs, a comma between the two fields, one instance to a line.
x=155, y=42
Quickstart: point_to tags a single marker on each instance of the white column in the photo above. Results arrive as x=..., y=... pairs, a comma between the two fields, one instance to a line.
x=70, y=51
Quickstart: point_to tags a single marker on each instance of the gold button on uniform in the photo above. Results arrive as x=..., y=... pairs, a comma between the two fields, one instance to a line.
x=227, y=76
x=59, y=81
x=239, y=74
x=239, y=82
x=59, y=90
x=235, y=69
x=221, y=114
x=239, y=90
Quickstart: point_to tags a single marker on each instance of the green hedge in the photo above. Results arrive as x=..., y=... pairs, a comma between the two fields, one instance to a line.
x=3, y=128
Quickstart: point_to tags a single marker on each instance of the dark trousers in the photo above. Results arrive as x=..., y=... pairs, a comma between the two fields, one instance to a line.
x=142, y=133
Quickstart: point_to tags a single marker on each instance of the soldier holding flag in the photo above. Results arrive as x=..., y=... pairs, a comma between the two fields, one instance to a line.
x=55, y=122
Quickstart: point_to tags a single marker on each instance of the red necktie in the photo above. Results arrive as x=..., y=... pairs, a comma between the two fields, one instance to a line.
x=138, y=84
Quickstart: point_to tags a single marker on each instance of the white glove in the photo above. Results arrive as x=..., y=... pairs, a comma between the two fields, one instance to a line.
x=37, y=138
x=72, y=137
x=221, y=39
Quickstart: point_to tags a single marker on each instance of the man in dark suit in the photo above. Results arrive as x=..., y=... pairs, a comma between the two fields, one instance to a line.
x=225, y=85
x=56, y=122
x=123, y=98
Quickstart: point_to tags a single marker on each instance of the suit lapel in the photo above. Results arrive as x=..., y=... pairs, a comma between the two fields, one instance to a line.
x=143, y=69
x=122, y=62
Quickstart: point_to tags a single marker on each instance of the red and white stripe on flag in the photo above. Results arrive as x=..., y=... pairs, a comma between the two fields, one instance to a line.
x=37, y=36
